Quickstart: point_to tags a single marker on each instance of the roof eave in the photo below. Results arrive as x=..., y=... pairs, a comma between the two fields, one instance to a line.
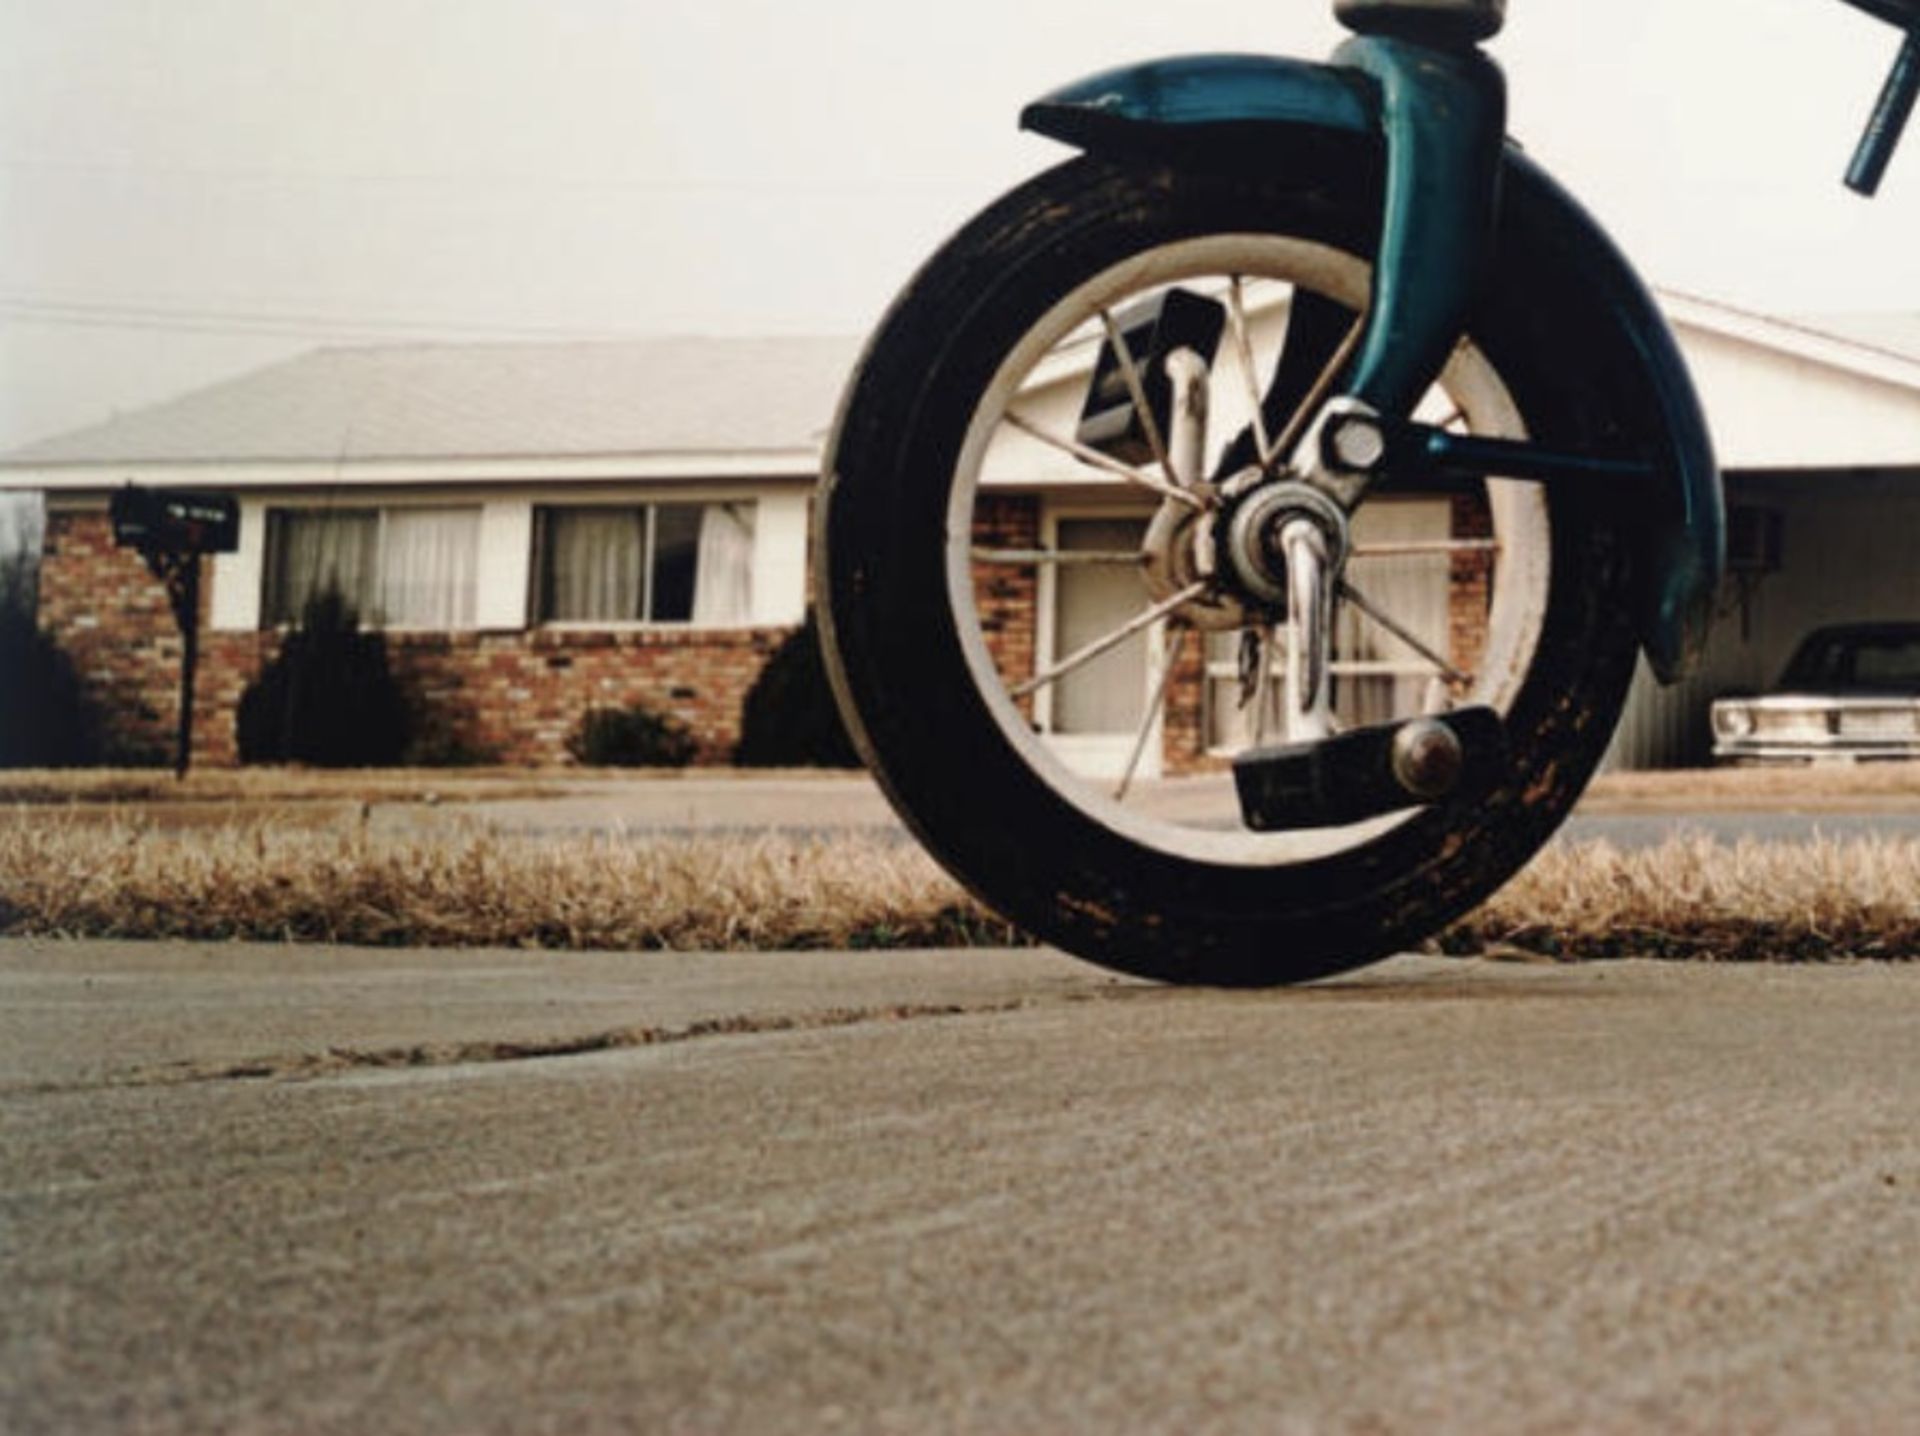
x=248, y=474
x=1798, y=340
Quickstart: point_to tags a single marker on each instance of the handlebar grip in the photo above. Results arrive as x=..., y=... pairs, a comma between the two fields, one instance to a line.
x=1888, y=120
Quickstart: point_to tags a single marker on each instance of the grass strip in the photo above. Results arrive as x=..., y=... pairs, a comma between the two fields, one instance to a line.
x=478, y=890
x=1691, y=897
x=1687, y=898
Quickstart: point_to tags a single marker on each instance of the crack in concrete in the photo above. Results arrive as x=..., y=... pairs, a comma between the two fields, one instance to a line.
x=335, y=1061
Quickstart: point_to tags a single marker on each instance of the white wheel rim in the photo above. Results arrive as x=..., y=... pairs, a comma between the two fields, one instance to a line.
x=1521, y=569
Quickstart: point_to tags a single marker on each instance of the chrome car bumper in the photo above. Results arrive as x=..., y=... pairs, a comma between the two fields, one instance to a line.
x=1795, y=729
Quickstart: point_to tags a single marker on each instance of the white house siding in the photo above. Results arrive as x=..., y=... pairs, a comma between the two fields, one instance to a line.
x=1826, y=431
x=1774, y=410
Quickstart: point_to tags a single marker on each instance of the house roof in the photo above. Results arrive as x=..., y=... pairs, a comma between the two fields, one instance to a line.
x=673, y=408
x=1877, y=346
x=1897, y=335
x=439, y=402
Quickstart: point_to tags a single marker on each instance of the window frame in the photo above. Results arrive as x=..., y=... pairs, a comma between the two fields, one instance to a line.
x=272, y=577
x=539, y=569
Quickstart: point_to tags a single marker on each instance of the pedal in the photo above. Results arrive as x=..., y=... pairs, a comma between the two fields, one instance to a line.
x=1365, y=772
x=1150, y=330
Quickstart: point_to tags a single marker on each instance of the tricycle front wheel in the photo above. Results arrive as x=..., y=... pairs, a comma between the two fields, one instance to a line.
x=1013, y=624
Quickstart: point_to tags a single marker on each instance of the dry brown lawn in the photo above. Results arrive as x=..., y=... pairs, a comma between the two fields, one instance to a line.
x=124, y=877
x=256, y=880
x=278, y=787
x=1695, y=898
x=1836, y=788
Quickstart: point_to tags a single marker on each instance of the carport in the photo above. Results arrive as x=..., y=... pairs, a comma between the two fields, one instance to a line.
x=1817, y=427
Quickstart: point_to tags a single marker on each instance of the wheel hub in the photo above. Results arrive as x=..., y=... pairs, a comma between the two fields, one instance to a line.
x=1255, y=555
x=1237, y=552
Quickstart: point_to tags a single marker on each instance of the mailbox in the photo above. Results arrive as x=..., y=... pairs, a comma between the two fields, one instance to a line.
x=175, y=521
x=172, y=529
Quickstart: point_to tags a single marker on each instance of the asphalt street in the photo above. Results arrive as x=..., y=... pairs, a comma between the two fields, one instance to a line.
x=278, y=1189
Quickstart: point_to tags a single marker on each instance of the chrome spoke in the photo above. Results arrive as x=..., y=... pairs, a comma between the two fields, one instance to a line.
x=1100, y=645
x=1318, y=395
x=1137, y=392
x=1263, y=684
x=1243, y=345
x=1151, y=717
x=1028, y=556
x=1400, y=631
x=1303, y=413
x=1093, y=458
x=1411, y=548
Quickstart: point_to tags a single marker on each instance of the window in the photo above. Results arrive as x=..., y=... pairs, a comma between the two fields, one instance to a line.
x=399, y=568
x=646, y=563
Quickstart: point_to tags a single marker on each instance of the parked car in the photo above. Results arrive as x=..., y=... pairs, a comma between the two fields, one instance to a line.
x=1850, y=693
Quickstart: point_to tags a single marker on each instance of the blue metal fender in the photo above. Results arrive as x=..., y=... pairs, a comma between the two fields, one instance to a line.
x=1228, y=111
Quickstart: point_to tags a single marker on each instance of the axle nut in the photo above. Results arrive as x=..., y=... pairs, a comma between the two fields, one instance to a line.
x=1427, y=758
x=1356, y=443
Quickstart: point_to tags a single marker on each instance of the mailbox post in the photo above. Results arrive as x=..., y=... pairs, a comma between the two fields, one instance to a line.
x=172, y=529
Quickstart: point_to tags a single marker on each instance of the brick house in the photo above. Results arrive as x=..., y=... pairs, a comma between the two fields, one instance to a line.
x=539, y=529
x=545, y=528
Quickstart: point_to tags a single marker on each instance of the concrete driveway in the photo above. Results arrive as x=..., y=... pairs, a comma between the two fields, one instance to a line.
x=274, y=1189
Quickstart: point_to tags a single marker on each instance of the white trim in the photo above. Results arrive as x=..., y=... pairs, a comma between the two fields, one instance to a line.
x=1783, y=336
x=781, y=529
x=234, y=606
x=636, y=625
x=504, y=565
x=785, y=464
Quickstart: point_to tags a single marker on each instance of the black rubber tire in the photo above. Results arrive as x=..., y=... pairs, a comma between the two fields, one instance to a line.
x=906, y=690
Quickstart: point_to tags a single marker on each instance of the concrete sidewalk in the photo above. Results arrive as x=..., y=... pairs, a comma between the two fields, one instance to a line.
x=80, y=1014
x=273, y=1189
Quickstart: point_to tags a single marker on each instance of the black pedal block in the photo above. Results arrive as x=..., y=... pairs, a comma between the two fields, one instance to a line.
x=1365, y=772
x=1152, y=329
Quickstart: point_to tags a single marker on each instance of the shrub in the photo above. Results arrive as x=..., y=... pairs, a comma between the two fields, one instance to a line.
x=328, y=699
x=632, y=737
x=436, y=745
x=46, y=719
x=789, y=719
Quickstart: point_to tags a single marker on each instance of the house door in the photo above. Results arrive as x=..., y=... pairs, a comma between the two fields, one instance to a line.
x=1093, y=714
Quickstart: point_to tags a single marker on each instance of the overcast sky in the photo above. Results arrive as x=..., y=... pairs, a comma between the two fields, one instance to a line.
x=191, y=188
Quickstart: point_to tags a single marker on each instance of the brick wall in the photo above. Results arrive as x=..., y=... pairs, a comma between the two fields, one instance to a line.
x=1184, y=723
x=1470, y=590
x=1007, y=595
x=519, y=694
x=516, y=695
x=112, y=618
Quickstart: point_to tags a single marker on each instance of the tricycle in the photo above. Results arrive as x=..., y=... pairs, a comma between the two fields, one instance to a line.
x=1303, y=428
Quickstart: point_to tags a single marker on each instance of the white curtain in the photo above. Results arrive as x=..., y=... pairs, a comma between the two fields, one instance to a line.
x=321, y=549
x=723, y=570
x=428, y=563
x=595, y=564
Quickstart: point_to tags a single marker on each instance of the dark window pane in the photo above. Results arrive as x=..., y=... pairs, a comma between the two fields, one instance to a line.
x=676, y=547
